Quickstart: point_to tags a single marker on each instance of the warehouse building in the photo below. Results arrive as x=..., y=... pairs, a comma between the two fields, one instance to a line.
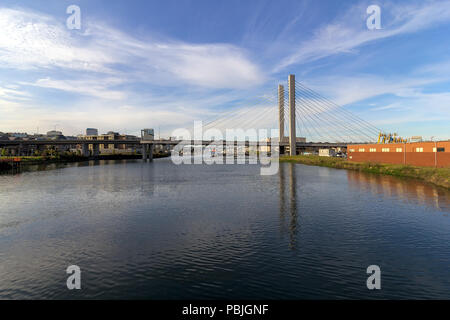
x=425, y=154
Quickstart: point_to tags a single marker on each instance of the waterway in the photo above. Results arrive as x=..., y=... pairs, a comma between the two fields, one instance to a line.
x=160, y=231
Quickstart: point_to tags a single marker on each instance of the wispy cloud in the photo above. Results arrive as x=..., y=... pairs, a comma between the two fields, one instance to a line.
x=11, y=93
x=118, y=79
x=31, y=40
x=348, y=32
x=89, y=87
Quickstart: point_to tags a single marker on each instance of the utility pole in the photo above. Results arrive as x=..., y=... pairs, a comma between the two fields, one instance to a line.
x=292, y=133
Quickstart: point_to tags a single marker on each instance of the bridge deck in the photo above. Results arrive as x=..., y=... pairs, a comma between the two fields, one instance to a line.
x=162, y=142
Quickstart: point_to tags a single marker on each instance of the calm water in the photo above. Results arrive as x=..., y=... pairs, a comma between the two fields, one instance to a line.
x=160, y=231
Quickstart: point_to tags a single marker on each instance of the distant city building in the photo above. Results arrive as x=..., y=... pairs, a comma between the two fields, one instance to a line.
x=91, y=132
x=327, y=153
x=148, y=134
x=109, y=148
x=18, y=134
x=55, y=135
x=4, y=136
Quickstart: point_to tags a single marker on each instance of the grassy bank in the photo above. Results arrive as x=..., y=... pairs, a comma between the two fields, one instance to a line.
x=66, y=158
x=437, y=176
x=46, y=159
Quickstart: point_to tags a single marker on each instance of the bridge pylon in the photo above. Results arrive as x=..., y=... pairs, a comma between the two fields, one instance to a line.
x=292, y=132
x=281, y=111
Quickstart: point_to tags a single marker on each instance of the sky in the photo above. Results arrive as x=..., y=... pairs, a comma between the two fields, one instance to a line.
x=164, y=64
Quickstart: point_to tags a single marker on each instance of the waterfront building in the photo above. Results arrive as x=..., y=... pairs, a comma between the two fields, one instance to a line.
x=111, y=148
x=426, y=154
x=327, y=153
x=91, y=132
x=55, y=135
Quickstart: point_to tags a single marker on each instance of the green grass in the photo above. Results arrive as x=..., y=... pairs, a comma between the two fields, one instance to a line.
x=437, y=176
x=27, y=159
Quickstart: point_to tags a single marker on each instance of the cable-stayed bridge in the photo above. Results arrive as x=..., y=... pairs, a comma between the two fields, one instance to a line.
x=294, y=109
x=300, y=112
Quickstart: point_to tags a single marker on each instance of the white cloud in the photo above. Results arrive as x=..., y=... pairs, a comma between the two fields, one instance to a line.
x=349, y=32
x=344, y=89
x=127, y=117
x=31, y=40
x=90, y=87
x=12, y=93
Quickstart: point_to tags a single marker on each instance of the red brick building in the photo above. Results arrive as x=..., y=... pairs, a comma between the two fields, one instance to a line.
x=425, y=154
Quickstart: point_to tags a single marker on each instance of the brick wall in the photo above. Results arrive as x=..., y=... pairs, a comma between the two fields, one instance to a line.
x=425, y=154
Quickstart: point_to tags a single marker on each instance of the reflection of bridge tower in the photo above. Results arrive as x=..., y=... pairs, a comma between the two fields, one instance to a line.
x=288, y=201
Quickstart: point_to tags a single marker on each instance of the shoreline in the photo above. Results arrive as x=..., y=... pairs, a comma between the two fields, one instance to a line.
x=437, y=176
x=5, y=166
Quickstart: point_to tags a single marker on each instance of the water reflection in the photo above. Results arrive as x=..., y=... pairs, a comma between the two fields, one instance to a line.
x=410, y=191
x=160, y=231
x=289, y=211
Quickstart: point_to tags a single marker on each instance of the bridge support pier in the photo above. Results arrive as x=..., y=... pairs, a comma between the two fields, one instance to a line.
x=150, y=152
x=144, y=152
x=96, y=150
x=85, y=150
x=39, y=149
x=147, y=152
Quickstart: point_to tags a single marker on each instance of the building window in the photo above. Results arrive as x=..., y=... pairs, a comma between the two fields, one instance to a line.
x=439, y=149
x=352, y=150
x=399, y=150
x=362, y=150
x=419, y=149
x=385, y=150
x=373, y=150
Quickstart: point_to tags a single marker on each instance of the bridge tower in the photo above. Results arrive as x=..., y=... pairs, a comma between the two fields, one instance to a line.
x=292, y=133
x=281, y=111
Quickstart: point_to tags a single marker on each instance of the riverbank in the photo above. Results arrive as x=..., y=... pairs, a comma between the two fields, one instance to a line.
x=34, y=160
x=437, y=176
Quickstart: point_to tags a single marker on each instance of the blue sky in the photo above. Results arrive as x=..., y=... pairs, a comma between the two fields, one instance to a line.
x=137, y=64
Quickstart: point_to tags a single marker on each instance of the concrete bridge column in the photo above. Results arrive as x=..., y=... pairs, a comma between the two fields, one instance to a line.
x=96, y=150
x=147, y=151
x=39, y=149
x=144, y=152
x=150, y=152
x=85, y=150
